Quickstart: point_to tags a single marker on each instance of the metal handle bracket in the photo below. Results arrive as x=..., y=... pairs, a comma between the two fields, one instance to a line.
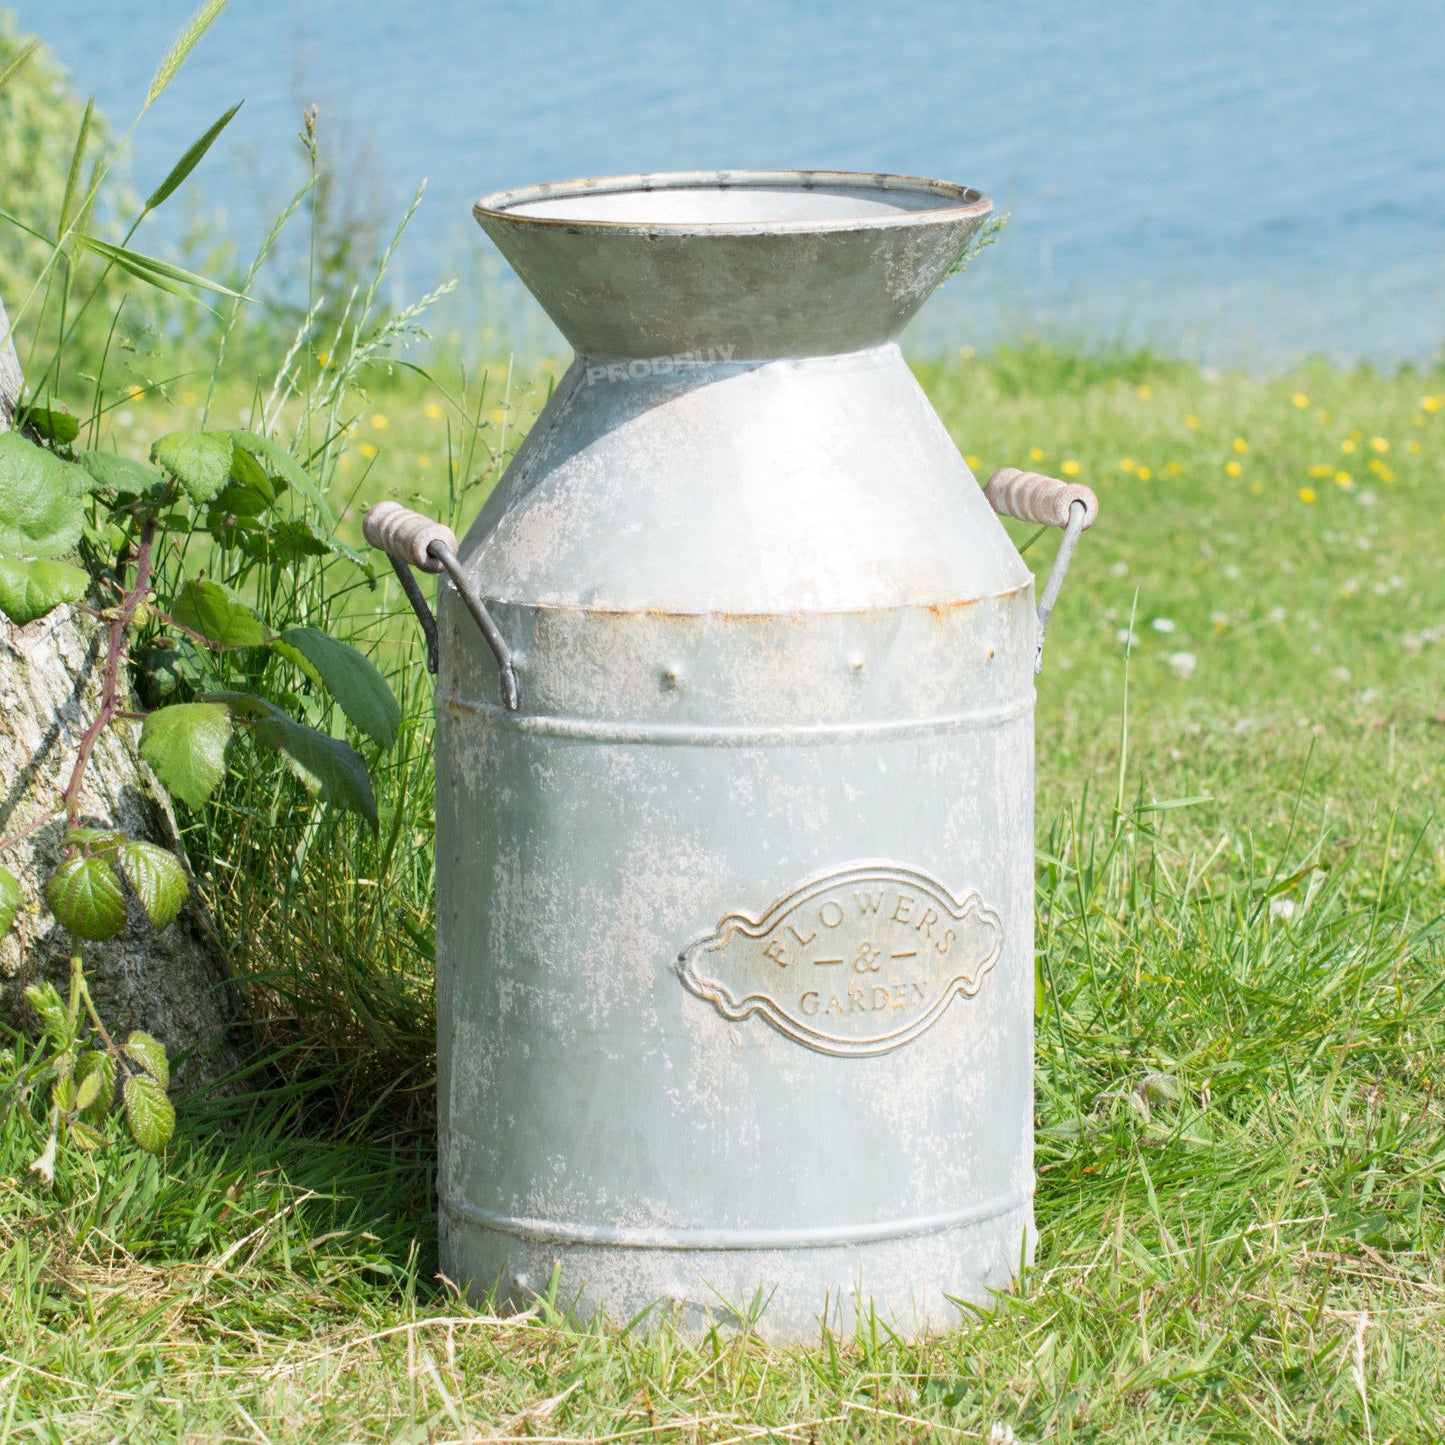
x=1032, y=497
x=411, y=540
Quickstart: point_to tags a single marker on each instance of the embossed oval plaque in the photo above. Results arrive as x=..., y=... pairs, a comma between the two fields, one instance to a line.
x=854, y=961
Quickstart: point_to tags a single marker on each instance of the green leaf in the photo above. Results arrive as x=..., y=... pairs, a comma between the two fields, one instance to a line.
x=151, y=1116
x=327, y=766
x=94, y=1065
x=204, y=607
x=150, y=1053
x=87, y=1090
x=233, y=505
x=287, y=542
x=246, y=471
x=162, y=675
x=59, y=428
x=9, y=899
x=41, y=500
x=84, y=894
x=249, y=492
x=158, y=879
x=279, y=462
x=199, y=460
x=87, y=1136
x=195, y=153
x=31, y=589
x=94, y=840
x=43, y=998
x=121, y=474
x=161, y=274
x=186, y=745
x=297, y=659
x=352, y=679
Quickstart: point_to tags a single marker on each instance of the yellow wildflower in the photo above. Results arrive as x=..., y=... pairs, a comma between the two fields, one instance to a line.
x=1307, y=495
x=1344, y=479
x=1413, y=447
x=1322, y=470
x=1324, y=414
x=1036, y=454
x=1127, y=464
x=1145, y=393
x=972, y=462
x=134, y=391
x=498, y=414
x=1144, y=473
x=1232, y=469
x=380, y=422
x=1348, y=445
x=1191, y=420
x=1240, y=445
x=1174, y=469
x=1379, y=444
x=1431, y=403
x=433, y=411
x=423, y=461
x=367, y=450
x=1070, y=468
x=1300, y=400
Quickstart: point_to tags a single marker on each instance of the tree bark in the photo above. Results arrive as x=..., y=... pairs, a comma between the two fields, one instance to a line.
x=175, y=984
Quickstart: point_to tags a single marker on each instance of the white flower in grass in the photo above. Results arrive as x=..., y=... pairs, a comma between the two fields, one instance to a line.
x=1163, y=624
x=1183, y=663
x=1281, y=908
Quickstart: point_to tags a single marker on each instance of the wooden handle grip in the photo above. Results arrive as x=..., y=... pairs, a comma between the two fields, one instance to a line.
x=1032, y=497
x=405, y=535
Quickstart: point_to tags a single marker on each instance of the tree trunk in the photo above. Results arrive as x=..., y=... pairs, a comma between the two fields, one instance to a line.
x=175, y=984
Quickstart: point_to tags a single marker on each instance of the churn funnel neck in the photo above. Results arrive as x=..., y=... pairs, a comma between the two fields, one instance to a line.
x=736, y=265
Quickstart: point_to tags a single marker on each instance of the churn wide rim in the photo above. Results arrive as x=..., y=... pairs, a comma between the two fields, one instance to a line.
x=958, y=201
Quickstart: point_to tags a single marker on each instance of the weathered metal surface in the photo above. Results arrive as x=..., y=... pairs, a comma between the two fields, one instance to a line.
x=775, y=661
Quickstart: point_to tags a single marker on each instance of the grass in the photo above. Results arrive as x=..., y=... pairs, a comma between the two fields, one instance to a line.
x=1241, y=1156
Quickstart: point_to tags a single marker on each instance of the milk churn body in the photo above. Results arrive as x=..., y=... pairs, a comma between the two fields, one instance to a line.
x=735, y=961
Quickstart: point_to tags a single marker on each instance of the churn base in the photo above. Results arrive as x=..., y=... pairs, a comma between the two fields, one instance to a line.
x=909, y=1283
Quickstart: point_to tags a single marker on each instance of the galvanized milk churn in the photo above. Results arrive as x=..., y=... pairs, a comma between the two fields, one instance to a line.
x=735, y=857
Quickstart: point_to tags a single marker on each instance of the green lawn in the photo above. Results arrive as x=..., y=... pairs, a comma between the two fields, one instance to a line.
x=1241, y=1155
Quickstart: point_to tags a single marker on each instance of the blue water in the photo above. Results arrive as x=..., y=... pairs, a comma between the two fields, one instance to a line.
x=1240, y=182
